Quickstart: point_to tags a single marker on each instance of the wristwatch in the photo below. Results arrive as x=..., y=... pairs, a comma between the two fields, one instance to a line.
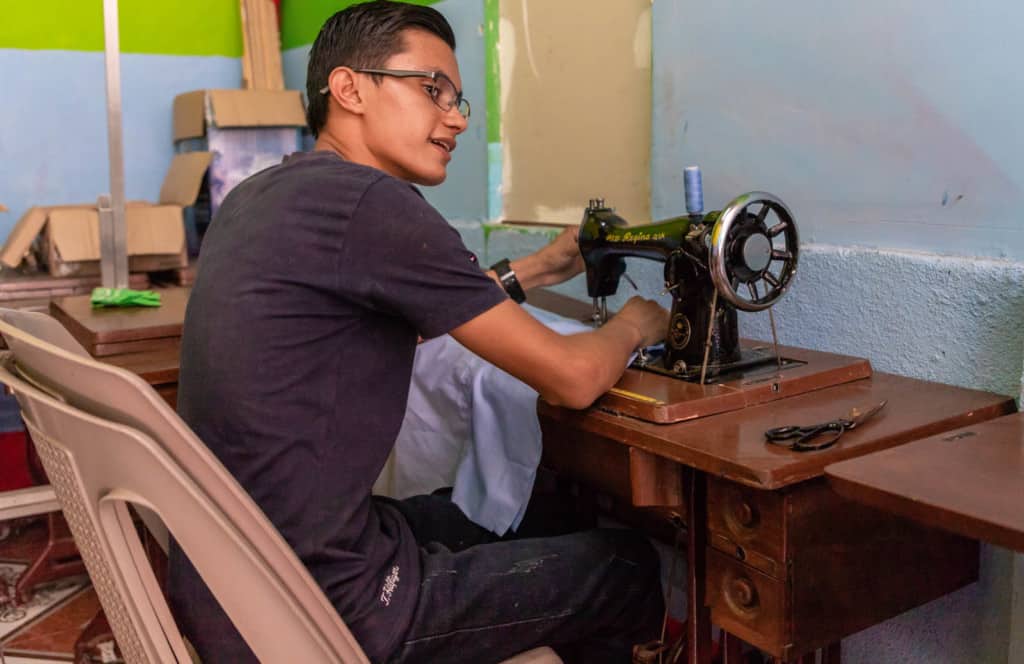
x=508, y=280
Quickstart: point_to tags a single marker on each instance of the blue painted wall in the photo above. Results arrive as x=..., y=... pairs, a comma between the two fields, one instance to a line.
x=463, y=195
x=884, y=124
x=53, y=125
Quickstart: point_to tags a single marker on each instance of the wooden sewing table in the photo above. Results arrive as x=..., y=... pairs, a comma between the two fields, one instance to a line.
x=969, y=481
x=776, y=557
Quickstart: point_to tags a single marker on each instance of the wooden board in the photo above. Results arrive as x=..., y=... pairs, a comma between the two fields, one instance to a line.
x=664, y=399
x=18, y=286
x=732, y=444
x=115, y=330
x=969, y=481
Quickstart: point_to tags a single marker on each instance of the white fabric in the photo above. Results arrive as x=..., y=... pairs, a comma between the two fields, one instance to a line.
x=471, y=426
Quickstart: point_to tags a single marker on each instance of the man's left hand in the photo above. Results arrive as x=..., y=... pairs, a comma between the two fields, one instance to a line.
x=562, y=259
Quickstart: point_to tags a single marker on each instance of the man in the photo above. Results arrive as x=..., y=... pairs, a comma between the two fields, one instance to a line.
x=316, y=279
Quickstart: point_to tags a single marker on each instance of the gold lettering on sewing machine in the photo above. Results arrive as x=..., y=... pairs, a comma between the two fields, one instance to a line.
x=633, y=238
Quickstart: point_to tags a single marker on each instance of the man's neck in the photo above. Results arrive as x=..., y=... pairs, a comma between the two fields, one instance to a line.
x=347, y=145
x=329, y=143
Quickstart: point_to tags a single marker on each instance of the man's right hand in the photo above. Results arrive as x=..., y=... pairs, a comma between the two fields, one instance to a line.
x=567, y=370
x=649, y=317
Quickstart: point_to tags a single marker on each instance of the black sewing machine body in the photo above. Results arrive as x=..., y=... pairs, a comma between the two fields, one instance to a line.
x=708, y=259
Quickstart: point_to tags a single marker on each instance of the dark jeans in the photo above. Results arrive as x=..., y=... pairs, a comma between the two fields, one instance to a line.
x=590, y=595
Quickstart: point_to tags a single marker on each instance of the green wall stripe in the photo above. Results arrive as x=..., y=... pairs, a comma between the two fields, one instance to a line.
x=170, y=27
x=492, y=23
x=301, y=19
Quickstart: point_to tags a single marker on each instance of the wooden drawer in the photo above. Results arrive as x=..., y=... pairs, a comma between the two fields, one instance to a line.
x=629, y=474
x=748, y=525
x=746, y=603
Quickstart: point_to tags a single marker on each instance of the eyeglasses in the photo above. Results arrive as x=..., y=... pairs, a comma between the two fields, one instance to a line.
x=443, y=91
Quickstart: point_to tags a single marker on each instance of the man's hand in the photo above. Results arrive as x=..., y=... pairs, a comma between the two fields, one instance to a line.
x=557, y=262
x=648, y=317
x=562, y=258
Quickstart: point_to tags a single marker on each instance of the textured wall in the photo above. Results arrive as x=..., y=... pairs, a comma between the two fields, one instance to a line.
x=947, y=319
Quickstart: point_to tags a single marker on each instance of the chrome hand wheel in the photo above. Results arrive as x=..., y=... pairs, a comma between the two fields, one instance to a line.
x=754, y=250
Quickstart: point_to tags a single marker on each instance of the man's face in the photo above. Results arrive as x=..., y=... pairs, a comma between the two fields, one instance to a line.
x=408, y=135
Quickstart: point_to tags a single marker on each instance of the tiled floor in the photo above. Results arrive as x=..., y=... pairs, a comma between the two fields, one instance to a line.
x=46, y=627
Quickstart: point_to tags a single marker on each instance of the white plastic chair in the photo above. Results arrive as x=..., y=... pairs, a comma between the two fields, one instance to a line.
x=108, y=440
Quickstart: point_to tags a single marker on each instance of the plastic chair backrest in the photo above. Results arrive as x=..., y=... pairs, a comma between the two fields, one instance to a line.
x=104, y=424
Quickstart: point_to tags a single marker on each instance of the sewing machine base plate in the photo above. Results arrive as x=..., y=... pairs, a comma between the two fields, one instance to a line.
x=750, y=358
x=665, y=398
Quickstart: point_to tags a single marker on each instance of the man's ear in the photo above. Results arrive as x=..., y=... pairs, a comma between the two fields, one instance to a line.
x=345, y=89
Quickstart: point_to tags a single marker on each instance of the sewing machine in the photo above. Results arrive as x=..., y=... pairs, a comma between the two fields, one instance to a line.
x=741, y=257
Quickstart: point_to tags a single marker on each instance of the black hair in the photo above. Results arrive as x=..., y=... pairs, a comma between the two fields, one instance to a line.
x=364, y=36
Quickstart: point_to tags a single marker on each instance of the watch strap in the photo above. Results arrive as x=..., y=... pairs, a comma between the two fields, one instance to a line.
x=507, y=277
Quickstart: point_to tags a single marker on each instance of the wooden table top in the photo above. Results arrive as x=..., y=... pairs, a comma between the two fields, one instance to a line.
x=969, y=481
x=732, y=444
x=114, y=324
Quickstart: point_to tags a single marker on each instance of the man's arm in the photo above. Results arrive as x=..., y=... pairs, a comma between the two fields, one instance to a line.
x=570, y=370
x=557, y=262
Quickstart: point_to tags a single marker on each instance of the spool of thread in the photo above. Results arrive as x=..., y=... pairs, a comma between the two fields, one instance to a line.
x=694, y=190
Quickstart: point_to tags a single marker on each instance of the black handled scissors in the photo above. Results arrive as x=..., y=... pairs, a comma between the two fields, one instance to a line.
x=819, y=436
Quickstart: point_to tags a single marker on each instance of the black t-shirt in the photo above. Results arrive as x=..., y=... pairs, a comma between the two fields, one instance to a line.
x=315, y=278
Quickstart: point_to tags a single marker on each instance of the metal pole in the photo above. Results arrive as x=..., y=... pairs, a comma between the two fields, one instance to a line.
x=113, y=234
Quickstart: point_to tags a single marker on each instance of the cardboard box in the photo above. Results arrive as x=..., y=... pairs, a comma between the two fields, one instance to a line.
x=187, y=184
x=197, y=112
x=66, y=238
x=246, y=130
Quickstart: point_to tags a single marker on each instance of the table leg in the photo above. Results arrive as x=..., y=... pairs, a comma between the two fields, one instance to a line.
x=698, y=615
x=732, y=649
x=59, y=559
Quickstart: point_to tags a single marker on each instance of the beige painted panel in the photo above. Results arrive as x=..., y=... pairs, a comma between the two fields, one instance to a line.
x=576, y=107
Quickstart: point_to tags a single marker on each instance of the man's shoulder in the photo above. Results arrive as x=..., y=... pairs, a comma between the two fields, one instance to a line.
x=325, y=174
x=315, y=169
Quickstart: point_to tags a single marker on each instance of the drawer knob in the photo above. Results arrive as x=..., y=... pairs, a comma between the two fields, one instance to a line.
x=745, y=514
x=743, y=593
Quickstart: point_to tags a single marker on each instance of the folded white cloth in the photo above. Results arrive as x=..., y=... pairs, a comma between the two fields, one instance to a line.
x=471, y=426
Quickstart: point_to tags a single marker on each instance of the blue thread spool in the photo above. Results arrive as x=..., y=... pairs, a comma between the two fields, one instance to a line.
x=694, y=190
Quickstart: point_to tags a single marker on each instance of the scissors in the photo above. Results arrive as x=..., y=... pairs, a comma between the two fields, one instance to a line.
x=819, y=436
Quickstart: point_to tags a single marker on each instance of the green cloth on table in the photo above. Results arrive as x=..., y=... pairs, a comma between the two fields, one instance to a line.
x=124, y=297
